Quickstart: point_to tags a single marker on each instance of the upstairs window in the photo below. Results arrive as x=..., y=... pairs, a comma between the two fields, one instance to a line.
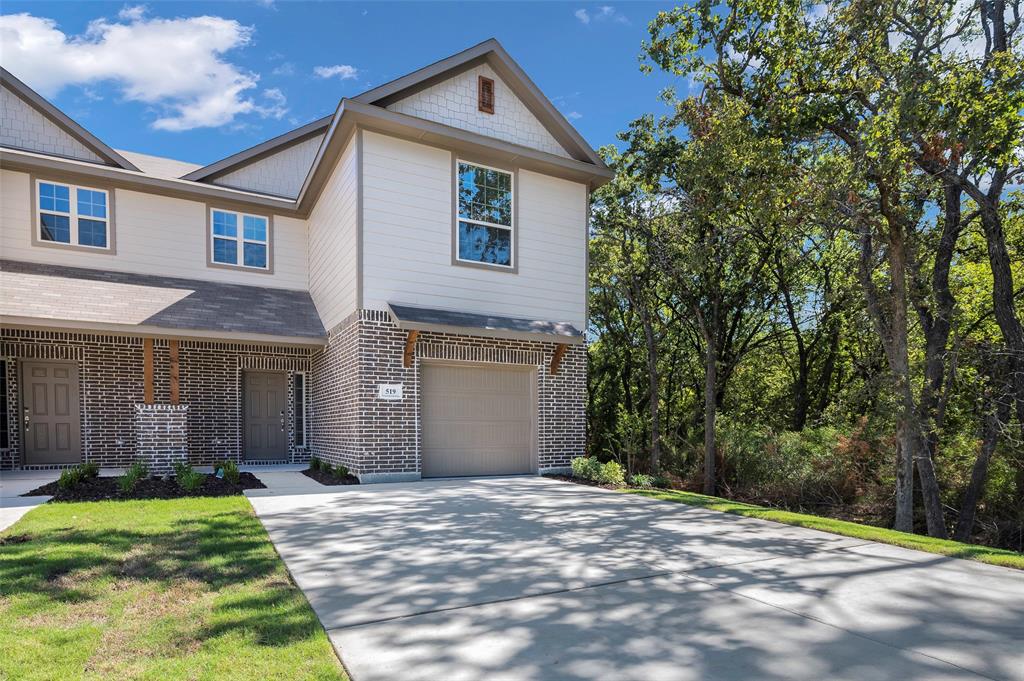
x=72, y=215
x=485, y=222
x=239, y=239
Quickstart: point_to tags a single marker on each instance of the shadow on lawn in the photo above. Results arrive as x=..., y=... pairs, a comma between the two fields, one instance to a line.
x=222, y=552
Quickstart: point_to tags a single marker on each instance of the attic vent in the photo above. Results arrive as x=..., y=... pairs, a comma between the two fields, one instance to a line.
x=485, y=94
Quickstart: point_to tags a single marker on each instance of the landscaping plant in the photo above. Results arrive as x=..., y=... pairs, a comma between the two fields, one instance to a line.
x=187, y=477
x=135, y=472
x=315, y=463
x=69, y=477
x=230, y=469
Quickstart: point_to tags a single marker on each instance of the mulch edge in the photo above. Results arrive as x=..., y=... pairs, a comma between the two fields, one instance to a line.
x=320, y=476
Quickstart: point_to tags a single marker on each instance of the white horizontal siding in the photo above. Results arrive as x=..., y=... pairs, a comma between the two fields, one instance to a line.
x=407, y=239
x=333, y=257
x=154, y=235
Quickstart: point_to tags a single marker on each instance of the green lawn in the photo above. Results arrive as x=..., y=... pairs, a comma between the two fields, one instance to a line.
x=175, y=589
x=942, y=547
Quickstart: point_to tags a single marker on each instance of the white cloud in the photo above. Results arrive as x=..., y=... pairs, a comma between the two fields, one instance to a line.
x=574, y=115
x=132, y=12
x=341, y=71
x=176, y=65
x=602, y=13
x=285, y=69
x=275, y=104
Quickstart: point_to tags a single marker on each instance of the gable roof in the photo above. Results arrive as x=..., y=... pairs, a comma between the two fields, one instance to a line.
x=491, y=52
x=261, y=150
x=58, y=117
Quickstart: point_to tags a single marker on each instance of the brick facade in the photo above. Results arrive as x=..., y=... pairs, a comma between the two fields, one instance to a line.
x=379, y=439
x=346, y=421
x=161, y=436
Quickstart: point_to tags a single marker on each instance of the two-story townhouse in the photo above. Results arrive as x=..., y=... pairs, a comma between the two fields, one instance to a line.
x=400, y=287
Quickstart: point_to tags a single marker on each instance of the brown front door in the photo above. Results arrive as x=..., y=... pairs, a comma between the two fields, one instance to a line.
x=51, y=412
x=264, y=399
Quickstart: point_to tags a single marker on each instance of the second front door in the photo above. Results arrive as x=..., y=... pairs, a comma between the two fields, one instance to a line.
x=264, y=398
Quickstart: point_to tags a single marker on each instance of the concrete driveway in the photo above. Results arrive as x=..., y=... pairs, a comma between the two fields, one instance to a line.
x=529, y=578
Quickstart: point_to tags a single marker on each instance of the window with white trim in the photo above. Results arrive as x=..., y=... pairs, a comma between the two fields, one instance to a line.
x=299, y=395
x=485, y=222
x=239, y=239
x=72, y=215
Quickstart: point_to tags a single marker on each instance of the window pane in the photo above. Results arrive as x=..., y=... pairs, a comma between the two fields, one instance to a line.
x=225, y=224
x=300, y=409
x=255, y=255
x=225, y=251
x=254, y=229
x=55, y=228
x=479, y=243
x=55, y=197
x=485, y=194
x=92, y=233
x=92, y=203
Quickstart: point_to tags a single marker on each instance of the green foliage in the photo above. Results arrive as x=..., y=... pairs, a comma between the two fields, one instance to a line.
x=586, y=467
x=315, y=463
x=132, y=475
x=90, y=470
x=187, y=477
x=231, y=473
x=641, y=480
x=608, y=473
x=341, y=471
x=69, y=477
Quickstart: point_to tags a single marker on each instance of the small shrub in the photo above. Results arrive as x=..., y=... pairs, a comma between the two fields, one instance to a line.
x=90, y=470
x=611, y=473
x=70, y=477
x=187, y=477
x=585, y=467
x=341, y=471
x=135, y=472
x=661, y=481
x=231, y=473
x=641, y=480
x=315, y=463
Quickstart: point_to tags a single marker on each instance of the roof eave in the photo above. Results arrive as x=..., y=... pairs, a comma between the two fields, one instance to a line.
x=59, y=118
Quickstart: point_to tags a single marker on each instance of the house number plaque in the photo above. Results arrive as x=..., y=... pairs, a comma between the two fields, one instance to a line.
x=389, y=391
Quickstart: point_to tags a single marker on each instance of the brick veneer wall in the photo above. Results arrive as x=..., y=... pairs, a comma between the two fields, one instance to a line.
x=111, y=377
x=380, y=439
x=161, y=436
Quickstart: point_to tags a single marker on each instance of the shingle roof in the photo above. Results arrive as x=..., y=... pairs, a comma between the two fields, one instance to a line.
x=159, y=166
x=430, y=319
x=72, y=294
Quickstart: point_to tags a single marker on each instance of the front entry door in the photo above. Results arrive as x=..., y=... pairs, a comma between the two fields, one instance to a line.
x=51, y=413
x=264, y=428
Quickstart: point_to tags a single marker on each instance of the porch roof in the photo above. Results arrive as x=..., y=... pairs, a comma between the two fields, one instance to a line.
x=415, y=318
x=37, y=294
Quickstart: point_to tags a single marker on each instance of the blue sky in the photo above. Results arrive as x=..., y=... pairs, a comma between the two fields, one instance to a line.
x=198, y=81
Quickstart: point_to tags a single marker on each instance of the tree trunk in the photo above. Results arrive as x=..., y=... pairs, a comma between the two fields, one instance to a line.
x=710, y=411
x=979, y=475
x=653, y=382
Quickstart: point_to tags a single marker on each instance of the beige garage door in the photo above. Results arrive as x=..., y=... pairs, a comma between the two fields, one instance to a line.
x=477, y=420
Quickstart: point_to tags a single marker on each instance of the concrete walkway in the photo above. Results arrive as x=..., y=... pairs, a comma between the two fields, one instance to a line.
x=528, y=578
x=15, y=483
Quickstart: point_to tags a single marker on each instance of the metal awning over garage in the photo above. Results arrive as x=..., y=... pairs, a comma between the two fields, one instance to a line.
x=414, y=318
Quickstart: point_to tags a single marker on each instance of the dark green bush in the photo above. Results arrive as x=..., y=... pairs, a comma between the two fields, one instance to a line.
x=641, y=480
x=90, y=470
x=230, y=470
x=70, y=477
x=135, y=472
x=187, y=477
x=341, y=471
x=315, y=463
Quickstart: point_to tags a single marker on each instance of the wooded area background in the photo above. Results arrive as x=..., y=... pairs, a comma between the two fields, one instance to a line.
x=806, y=280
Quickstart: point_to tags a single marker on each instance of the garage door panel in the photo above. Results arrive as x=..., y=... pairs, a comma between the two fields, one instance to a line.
x=477, y=420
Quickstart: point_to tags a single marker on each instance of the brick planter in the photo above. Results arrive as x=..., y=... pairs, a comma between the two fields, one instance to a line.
x=161, y=436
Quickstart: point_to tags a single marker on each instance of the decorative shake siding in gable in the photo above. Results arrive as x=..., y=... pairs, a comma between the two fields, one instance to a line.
x=280, y=174
x=111, y=375
x=454, y=102
x=23, y=127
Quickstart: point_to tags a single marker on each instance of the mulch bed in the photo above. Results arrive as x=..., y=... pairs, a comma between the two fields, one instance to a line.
x=330, y=478
x=106, y=488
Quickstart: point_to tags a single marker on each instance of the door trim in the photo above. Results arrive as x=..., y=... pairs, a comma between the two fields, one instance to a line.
x=22, y=404
x=534, y=402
